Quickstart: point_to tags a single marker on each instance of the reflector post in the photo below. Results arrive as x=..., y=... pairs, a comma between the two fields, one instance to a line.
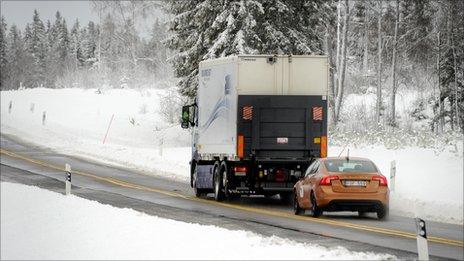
x=240, y=146
x=323, y=146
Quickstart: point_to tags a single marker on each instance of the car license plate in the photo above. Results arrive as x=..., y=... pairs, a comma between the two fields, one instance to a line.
x=354, y=183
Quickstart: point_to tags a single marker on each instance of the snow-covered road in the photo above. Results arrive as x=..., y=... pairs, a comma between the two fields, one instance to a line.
x=175, y=200
x=41, y=224
x=429, y=183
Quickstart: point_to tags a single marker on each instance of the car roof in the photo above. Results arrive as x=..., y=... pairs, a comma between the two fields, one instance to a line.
x=344, y=158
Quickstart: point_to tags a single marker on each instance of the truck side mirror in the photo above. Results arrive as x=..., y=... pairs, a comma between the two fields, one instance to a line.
x=185, y=123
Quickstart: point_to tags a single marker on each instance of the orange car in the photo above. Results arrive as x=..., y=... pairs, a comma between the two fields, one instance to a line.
x=342, y=184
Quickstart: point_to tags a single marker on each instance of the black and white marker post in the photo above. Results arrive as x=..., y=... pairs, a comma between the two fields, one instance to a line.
x=422, y=247
x=68, y=179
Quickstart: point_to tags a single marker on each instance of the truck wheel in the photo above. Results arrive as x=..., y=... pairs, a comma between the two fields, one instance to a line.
x=217, y=182
x=225, y=174
x=193, y=167
x=198, y=192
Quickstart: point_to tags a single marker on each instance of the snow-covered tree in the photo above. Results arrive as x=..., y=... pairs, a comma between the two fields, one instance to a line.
x=210, y=28
x=19, y=63
x=75, y=46
x=36, y=44
x=89, y=43
x=3, y=58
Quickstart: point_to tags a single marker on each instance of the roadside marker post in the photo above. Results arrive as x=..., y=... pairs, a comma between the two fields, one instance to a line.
x=392, y=175
x=422, y=245
x=68, y=178
x=44, y=117
x=10, y=106
x=161, y=147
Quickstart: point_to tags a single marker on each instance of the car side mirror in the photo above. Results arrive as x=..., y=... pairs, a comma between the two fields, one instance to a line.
x=185, y=120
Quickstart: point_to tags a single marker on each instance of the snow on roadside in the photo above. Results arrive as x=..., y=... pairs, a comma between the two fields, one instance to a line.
x=428, y=183
x=77, y=120
x=39, y=224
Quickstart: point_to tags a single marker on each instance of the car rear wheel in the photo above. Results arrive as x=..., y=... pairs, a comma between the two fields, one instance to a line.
x=296, y=206
x=382, y=213
x=315, y=210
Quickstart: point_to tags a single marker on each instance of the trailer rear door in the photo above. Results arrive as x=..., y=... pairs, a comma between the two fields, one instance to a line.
x=281, y=127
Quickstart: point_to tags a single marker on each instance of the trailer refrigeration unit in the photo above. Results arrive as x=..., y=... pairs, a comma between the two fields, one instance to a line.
x=257, y=122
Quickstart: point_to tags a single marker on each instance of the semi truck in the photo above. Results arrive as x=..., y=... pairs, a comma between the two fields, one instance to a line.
x=257, y=123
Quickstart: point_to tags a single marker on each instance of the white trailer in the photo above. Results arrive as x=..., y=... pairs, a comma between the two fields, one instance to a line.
x=258, y=116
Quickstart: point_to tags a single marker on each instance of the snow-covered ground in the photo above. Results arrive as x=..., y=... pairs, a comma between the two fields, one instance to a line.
x=429, y=183
x=41, y=224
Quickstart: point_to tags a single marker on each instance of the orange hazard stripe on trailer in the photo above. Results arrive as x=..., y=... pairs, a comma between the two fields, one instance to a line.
x=323, y=146
x=240, y=146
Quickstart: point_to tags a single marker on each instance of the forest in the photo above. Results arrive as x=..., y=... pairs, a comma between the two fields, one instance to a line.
x=375, y=47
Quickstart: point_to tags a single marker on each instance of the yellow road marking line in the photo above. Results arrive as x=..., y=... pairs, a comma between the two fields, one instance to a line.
x=275, y=213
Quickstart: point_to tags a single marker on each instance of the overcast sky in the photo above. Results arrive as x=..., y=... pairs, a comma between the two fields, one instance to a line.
x=20, y=12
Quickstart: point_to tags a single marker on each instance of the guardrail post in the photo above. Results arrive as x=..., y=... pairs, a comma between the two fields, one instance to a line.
x=392, y=175
x=68, y=179
x=422, y=246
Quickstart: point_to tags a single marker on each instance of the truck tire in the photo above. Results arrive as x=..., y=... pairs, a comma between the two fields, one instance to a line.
x=226, y=178
x=217, y=183
x=198, y=191
x=193, y=167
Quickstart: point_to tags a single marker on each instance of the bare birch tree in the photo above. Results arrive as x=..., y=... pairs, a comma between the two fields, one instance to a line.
x=393, y=67
x=342, y=68
x=378, y=106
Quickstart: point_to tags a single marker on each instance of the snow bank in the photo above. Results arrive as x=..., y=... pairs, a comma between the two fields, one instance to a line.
x=39, y=224
x=429, y=182
x=77, y=120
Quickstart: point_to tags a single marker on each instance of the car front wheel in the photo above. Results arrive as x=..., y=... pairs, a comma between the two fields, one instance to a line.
x=296, y=206
x=315, y=210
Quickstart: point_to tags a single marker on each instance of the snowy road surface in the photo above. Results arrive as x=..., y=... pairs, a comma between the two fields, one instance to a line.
x=70, y=235
x=175, y=200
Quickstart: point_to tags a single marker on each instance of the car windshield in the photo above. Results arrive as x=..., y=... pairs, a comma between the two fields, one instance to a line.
x=342, y=165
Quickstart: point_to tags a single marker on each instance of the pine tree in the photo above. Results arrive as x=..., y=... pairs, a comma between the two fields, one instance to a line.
x=155, y=53
x=210, y=28
x=451, y=88
x=37, y=47
x=416, y=32
x=89, y=43
x=19, y=63
x=75, y=48
x=3, y=49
